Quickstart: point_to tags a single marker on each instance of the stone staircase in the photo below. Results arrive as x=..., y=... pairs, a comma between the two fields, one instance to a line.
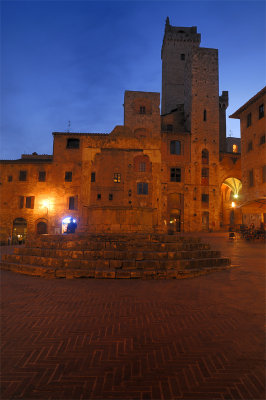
x=147, y=256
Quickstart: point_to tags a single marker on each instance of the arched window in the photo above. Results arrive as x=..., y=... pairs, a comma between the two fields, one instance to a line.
x=205, y=156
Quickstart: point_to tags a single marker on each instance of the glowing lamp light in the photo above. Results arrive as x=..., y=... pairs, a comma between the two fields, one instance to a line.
x=233, y=204
x=236, y=196
x=45, y=203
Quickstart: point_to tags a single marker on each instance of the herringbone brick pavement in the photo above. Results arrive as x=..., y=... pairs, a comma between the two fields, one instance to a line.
x=192, y=339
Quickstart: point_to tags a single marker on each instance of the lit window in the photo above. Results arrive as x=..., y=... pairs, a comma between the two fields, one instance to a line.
x=142, y=110
x=235, y=148
x=68, y=176
x=22, y=175
x=142, y=188
x=117, y=177
x=261, y=111
x=42, y=176
x=248, y=120
x=175, y=147
x=72, y=144
x=142, y=167
x=175, y=175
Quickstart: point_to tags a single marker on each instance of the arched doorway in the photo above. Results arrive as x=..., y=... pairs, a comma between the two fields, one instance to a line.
x=205, y=221
x=231, y=214
x=175, y=220
x=175, y=206
x=41, y=227
x=19, y=231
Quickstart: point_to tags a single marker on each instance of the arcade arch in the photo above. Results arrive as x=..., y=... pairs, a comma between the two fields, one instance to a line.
x=231, y=214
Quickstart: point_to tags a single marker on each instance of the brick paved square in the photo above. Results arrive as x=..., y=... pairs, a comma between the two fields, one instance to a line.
x=199, y=338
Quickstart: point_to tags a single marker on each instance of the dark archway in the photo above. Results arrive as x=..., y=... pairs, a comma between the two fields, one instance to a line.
x=41, y=228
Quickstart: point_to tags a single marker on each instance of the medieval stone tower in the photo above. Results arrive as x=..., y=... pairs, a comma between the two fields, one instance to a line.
x=190, y=88
x=178, y=43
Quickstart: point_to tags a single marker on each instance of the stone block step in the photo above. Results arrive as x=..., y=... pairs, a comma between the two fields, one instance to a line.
x=124, y=264
x=114, y=254
x=50, y=272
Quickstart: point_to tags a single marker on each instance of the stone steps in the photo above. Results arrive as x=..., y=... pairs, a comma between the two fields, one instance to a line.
x=114, y=256
x=21, y=253
x=72, y=273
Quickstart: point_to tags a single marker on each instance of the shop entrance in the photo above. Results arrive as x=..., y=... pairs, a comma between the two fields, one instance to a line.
x=19, y=231
x=175, y=220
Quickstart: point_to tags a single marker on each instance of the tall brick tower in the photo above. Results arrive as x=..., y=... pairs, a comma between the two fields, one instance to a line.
x=178, y=42
x=190, y=78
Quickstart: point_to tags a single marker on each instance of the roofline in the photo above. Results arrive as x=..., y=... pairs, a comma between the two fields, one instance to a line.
x=28, y=161
x=78, y=134
x=237, y=113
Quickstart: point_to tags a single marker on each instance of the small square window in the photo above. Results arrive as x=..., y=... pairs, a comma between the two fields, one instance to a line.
x=42, y=176
x=22, y=175
x=117, y=177
x=169, y=128
x=142, y=167
x=72, y=144
x=182, y=56
x=110, y=196
x=262, y=139
x=93, y=176
x=261, y=111
x=175, y=147
x=250, y=146
x=99, y=196
x=142, y=188
x=175, y=175
x=10, y=178
x=142, y=110
x=248, y=120
x=68, y=176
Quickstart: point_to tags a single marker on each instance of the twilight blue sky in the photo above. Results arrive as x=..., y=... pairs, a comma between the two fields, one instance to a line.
x=72, y=61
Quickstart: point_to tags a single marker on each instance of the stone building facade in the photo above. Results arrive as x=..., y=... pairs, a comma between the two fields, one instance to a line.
x=157, y=172
x=252, y=125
